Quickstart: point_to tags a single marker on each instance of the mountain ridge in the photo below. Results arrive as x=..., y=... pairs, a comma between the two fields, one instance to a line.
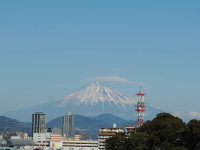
x=11, y=125
x=92, y=100
x=90, y=125
x=83, y=125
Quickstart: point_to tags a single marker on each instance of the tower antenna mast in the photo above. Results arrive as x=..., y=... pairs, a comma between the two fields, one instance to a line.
x=140, y=108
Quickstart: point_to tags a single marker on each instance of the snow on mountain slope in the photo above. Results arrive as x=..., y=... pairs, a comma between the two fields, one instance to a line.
x=93, y=100
x=95, y=93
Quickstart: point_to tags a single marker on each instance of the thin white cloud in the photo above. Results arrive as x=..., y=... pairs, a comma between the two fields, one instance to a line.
x=194, y=115
x=112, y=79
x=187, y=115
x=177, y=114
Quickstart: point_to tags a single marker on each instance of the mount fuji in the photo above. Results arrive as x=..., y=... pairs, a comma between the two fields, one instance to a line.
x=93, y=100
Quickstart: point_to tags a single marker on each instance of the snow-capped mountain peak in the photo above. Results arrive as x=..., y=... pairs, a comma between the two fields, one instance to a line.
x=93, y=100
x=95, y=92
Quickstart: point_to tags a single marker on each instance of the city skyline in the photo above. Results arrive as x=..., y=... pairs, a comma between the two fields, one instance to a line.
x=49, y=50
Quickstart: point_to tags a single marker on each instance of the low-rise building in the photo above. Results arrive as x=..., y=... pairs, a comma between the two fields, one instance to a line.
x=107, y=132
x=41, y=139
x=56, y=141
x=77, y=137
x=130, y=129
x=80, y=145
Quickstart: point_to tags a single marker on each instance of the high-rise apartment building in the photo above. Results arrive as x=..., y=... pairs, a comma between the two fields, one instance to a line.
x=68, y=125
x=38, y=122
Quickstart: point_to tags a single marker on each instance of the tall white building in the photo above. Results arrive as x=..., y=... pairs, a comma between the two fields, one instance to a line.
x=38, y=122
x=68, y=125
x=39, y=129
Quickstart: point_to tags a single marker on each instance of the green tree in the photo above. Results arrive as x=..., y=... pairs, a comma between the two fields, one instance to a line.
x=139, y=141
x=164, y=131
x=117, y=142
x=192, y=135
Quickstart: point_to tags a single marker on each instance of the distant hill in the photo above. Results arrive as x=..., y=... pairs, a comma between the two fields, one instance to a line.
x=90, y=125
x=12, y=125
x=110, y=119
x=83, y=125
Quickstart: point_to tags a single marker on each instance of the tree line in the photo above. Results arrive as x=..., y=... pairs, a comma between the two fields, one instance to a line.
x=165, y=132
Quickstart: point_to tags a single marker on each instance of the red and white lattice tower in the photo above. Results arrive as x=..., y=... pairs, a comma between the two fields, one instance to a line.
x=140, y=108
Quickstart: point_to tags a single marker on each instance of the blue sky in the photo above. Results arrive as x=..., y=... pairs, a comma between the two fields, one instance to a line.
x=49, y=49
